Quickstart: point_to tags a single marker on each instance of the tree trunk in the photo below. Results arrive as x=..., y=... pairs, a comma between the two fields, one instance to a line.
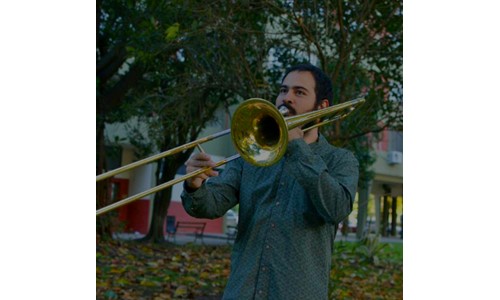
x=401, y=234
x=345, y=227
x=394, y=216
x=103, y=222
x=166, y=171
x=364, y=195
x=109, y=100
x=160, y=208
x=377, y=213
x=385, y=216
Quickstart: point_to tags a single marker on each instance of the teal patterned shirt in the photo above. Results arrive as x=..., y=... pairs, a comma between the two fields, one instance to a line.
x=288, y=218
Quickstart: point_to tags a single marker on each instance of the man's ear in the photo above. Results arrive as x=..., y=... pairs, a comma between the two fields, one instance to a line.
x=323, y=104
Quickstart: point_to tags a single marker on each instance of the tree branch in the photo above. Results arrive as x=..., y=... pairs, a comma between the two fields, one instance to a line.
x=110, y=63
x=113, y=98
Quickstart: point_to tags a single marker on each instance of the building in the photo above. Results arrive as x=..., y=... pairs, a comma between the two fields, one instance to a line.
x=384, y=193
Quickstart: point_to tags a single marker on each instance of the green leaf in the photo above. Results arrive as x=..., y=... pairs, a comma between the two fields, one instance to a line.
x=110, y=295
x=122, y=281
x=172, y=32
x=181, y=291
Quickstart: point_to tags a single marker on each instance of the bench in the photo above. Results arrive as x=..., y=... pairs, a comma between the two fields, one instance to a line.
x=197, y=227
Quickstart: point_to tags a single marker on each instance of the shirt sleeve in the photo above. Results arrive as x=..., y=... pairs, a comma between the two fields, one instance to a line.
x=216, y=195
x=331, y=185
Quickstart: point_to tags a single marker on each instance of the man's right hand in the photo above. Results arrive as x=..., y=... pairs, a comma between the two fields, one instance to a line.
x=198, y=161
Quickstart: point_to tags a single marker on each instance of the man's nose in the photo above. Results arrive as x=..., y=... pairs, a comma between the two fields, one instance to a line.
x=288, y=98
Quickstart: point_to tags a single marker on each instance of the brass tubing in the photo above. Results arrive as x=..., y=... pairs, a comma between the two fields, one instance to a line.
x=162, y=186
x=302, y=119
x=351, y=109
x=161, y=155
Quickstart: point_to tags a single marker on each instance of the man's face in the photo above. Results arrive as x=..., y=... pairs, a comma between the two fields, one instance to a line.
x=297, y=92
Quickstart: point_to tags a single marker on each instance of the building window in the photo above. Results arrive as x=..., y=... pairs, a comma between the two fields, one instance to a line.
x=396, y=141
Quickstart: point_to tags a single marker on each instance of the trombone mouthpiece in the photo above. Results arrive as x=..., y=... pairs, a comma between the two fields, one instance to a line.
x=283, y=110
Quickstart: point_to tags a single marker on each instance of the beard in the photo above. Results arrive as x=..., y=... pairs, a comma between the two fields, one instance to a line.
x=290, y=111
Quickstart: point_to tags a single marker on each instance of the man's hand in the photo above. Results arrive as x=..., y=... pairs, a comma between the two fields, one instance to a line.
x=198, y=161
x=295, y=133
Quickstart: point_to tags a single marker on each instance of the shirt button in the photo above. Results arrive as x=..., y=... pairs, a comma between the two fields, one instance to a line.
x=267, y=247
x=273, y=225
x=277, y=203
x=260, y=292
x=264, y=269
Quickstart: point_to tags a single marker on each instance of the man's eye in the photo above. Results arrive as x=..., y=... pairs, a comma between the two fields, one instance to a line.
x=282, y=90
x=300, y=93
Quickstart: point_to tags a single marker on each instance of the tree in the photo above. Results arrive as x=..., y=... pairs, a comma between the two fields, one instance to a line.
x=129, y=39
x=186, y=53
x=113, y=33
x=359, y=45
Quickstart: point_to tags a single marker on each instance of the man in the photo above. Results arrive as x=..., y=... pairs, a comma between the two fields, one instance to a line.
x=289, y=212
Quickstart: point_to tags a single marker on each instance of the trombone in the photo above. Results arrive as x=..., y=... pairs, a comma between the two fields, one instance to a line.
x=259, y=132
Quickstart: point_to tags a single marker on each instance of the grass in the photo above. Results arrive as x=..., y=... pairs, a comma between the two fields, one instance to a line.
x=126, y=270
x=367, y=269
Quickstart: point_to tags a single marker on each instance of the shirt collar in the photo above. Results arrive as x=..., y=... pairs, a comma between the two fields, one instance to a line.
x=321, y=145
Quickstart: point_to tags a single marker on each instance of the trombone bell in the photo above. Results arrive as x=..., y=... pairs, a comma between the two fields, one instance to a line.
x=259, y=132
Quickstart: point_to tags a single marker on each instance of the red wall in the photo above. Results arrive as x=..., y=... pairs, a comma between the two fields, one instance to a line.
x=135, y=215
x=384, y=143
x=176, y=209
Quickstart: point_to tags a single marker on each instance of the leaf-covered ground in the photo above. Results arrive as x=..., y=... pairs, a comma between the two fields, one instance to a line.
x=128, y=270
